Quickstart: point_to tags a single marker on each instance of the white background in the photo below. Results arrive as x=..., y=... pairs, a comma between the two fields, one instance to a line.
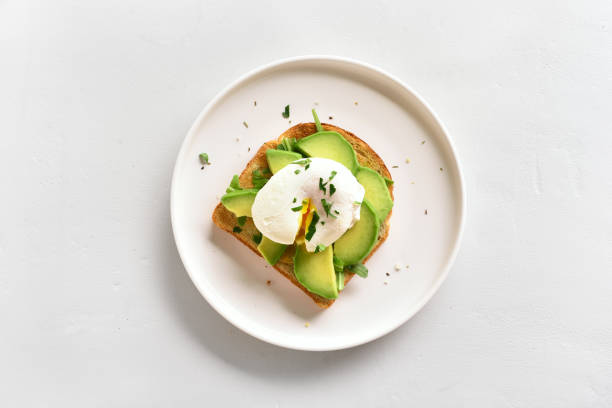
x=95, y=306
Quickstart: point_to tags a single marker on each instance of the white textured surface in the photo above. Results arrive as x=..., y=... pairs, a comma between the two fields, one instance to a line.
x=96, y=309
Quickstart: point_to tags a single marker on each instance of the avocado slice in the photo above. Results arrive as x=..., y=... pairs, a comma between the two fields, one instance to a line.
x=376, y=191
x=277, y=159
x=329, y=145
x=239, y=202
x=270, y=250
x=315, y=270
x=357, y=242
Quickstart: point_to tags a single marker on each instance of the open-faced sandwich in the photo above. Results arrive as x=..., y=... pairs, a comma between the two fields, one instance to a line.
x=314, y=203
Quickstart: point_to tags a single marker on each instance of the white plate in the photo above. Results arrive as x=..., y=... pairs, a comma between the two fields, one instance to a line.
x=397, y=124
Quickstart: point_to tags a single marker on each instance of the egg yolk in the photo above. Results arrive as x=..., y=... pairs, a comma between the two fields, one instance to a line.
x=308, y=209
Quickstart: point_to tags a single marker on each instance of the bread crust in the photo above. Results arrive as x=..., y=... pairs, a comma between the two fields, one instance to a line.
x=226, y=220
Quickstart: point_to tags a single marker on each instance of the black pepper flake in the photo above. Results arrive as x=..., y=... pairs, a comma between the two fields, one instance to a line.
x=356, y=103
x=249, y=148
x=425, y=211
x=387, y=273
x=202, y=168
x=268, y=283
x=441, y=169
x=254, y=103
x=331, y=118
x=423, y=142
x=246, y=125
x=394, y=167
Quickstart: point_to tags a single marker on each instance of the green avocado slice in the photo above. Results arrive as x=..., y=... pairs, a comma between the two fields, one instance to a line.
x=277, y=159
x=239, y=202
x=315, y=271
x=356, y=243
x=376, y=191
x=270, y=250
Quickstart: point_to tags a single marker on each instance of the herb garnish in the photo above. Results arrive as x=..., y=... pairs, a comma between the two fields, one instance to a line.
x=336, y=211
x=257, y=238
x=333, y=174
x=327, y=207
x=388, y=181
x=286, y=112
x=322, y=185
x=302, y=162
x=359, y=270
x=320, y=248
x=338, y=264
x=297, y=171
x=332, y=190
x=340, y=280
x=237, y=229
x=287, y=144
x=296, y=209
x=294, y=199
x=312, y=227
x=242, y=220
x=204, y=158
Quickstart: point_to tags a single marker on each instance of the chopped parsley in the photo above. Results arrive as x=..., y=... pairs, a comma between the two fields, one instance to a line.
x=388, y=181
x=294, y=199
x=204, y=158
x=357, y=202
x=297, y=171
x=257, y=238
x=320, y=248
x=307, y=166
x=322, y=185
x=312, y=228
x=336, y=211
x=237, y=229
x=332, y=190
x=327, y=207
x=303, y=162
x=333, y=174
x=296, y=209
x=286, y=112
x=242, y=220
x=358, y=269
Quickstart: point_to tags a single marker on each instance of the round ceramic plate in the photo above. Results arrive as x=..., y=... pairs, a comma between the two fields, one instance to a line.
x=426, y=223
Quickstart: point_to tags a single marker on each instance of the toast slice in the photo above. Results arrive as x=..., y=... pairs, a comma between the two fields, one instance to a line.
x=226, y=220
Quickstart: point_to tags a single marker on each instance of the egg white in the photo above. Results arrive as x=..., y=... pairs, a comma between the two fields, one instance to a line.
x=272, y=209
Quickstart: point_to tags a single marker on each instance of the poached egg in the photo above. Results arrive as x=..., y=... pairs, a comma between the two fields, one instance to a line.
x=286, y=205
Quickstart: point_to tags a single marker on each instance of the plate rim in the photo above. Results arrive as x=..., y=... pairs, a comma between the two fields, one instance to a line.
x=453, y=155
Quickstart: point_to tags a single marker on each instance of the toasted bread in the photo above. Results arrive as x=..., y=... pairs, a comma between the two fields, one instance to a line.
x=226, y=220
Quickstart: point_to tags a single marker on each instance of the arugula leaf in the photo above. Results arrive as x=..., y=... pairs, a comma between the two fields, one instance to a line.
x=312, y=228
x=332, y=190
x=338, y=264
x=257, y=238
x=234, y=184
x=242, y=220
x=340, y=280
x=258, y=179
x=286, y=112
x=358, y=269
